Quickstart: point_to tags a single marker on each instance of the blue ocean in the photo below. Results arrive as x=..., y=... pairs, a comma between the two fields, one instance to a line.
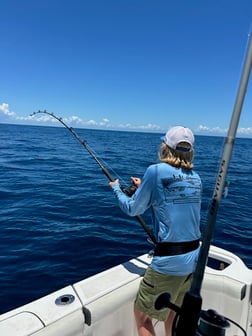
x=60, y=222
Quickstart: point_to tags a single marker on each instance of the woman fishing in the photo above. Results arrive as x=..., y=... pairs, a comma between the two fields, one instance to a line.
x=172, y=190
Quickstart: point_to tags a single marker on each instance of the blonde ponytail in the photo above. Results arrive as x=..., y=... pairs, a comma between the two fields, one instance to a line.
x=175, y=158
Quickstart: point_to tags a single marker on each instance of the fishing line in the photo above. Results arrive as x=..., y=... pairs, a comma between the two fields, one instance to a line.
x=128, y=190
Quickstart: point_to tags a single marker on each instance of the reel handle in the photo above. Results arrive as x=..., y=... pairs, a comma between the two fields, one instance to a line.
x=130, y=190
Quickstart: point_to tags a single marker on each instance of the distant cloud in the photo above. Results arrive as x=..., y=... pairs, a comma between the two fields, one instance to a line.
x=242, y=131
x=91, y=123
x=44, y=119
x=245, y=131
x=206, y=129
x=4, y=108
x=151, y=127
x=104, y=122
x=202, y=128
x=148, y=127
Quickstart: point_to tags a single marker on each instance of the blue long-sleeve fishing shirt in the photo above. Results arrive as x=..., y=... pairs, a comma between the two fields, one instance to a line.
x=174, y=197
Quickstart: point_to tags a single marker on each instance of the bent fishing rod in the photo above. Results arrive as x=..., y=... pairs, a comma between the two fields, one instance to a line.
x=191, y=307
x=128, y=191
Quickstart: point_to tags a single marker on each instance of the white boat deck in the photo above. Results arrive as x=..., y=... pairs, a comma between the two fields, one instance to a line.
x=103, y=304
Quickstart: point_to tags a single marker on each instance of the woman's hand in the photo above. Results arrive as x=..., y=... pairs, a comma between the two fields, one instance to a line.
x=113, y=183
x=136, y=181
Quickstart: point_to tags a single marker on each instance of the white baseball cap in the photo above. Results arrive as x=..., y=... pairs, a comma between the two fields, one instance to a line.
x=178, y=134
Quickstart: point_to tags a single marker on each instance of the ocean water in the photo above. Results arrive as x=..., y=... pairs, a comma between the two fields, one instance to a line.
x=59, y=220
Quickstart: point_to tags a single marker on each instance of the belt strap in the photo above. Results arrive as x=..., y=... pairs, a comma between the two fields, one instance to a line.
x=169, y=249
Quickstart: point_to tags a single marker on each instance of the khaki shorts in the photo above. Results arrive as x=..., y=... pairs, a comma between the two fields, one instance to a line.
x=153, y=284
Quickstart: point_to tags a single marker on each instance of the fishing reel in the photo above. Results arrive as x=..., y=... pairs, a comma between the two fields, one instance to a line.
x=210, y=322
x=130, y=190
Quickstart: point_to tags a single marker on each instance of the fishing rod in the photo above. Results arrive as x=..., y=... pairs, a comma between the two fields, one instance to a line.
x=191, y=307
x=128, y=190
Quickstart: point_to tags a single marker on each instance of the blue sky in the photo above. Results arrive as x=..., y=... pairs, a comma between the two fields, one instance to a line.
x=132, y=65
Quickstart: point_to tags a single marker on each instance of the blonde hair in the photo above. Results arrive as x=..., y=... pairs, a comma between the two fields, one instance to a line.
x=175, y=158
